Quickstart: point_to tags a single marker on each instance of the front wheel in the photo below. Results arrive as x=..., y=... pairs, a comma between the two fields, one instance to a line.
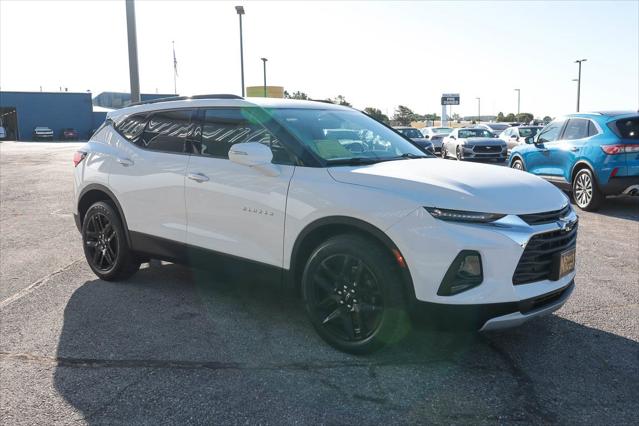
x=518, y=164
x=105, y=245
x=353, y=296
x=585, y=191
x=458, y=153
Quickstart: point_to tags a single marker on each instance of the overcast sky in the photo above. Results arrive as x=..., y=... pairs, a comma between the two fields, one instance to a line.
x=378, y=54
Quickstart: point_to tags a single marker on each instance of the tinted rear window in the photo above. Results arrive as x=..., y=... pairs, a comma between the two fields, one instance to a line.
x=626, y=128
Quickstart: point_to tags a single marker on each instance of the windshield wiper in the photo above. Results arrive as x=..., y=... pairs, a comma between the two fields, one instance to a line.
x=409, y=156
x=354, y=161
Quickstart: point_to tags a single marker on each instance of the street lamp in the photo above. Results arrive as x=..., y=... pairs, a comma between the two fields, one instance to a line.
x=134, y=75
x=579, y=61
x=264, y=62
x=518, y=101
x=240, y=12
x=478, y=110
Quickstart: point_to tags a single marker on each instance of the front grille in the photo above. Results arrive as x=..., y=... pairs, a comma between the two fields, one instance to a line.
x=486, y=149
x=536, y=263
x=546, y=217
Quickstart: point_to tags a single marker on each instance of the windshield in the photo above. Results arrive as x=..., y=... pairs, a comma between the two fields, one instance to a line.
x=443, y=130
x=475, y=133
x=345, y=136
x=498, y=127
x=528, y=131
x=411, y=133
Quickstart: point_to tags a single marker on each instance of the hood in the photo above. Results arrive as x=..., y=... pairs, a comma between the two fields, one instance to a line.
x=482, y=141
x=457, y=185
x=419, y=140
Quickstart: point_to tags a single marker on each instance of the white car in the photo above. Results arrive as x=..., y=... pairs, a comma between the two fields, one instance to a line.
x=42, y=132
x=436, y=135
x=471, y=143
x=369, y=237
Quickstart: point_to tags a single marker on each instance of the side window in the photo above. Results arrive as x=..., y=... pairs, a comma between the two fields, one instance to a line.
x=223, y=128
x=167, y=131
x=132, y=127
x=550, y=133
x=592, y=129
x=577, y=128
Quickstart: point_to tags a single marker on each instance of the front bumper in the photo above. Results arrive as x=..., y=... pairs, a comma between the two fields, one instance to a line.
x=471, y=153
x=489, y=316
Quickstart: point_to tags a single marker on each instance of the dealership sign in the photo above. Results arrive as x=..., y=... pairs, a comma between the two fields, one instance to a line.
x=450, y=99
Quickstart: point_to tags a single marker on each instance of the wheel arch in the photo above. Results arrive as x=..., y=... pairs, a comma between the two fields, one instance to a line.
x=516, y=156
x=320, y=230
x=93, y=193
x=579, y=165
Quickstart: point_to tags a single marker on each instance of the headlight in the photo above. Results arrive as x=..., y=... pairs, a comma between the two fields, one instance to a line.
x=463, y=216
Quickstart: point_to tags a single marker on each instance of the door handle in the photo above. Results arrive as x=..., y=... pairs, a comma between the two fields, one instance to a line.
x=125, y=161
x=198, y=177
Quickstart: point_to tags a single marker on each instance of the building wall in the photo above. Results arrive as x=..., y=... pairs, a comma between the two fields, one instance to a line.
x=122, y=99
x=56, y=110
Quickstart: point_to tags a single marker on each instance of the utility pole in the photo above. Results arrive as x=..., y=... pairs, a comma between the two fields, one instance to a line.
x=134, y=74
x=518, y=101
x=579, y=61
x=478, y=110
x=264, y=62
x=240, y=12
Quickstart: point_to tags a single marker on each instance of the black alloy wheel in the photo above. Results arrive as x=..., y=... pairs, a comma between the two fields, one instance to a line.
x=352, y=295
x=105, y=245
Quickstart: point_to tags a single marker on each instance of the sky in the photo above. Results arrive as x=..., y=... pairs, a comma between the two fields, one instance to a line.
x=376, y=54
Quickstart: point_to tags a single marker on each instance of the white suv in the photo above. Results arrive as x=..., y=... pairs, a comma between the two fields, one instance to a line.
x=369, y=229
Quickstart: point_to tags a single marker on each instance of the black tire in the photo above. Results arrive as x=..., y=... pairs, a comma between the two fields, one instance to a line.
x=443, y=152
x=105, y=245
x=352, y=294
x=458, y=155
x=518, y=164
x=585, y=191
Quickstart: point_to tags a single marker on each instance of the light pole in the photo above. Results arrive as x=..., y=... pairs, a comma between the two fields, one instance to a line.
x=478, y=110
x=518, y=101
x=264, y=62
x=579, y=61
x=240, y=12
x=134, y=75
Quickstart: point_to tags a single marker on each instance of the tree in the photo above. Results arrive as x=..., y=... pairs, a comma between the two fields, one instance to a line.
x=296, y=95
x=525, y=117
x=403, y=115
x=547, y=119
x=456, y=117
x=377, y=114
x=341, y=100
x=500, y=117
x=510, y=118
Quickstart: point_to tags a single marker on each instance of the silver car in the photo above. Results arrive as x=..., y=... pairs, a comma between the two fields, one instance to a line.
x=436, y=135
x=418, y=139
x=474, y=144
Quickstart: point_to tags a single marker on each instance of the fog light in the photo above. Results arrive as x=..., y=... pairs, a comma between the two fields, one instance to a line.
x=463, y=274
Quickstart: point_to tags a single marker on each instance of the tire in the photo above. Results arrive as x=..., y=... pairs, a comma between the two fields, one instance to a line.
x=353, y=296
x=585, y=191
x=444, y=155
x=105, y=245
x=458, y=155
x=518, y=164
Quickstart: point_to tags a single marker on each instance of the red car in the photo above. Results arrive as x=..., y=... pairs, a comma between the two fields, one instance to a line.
x=70, y=134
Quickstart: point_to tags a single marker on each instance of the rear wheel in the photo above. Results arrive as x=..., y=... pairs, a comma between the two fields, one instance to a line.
x=105, y=245
x=353, y=296
x=458, y=153
x=585, y=191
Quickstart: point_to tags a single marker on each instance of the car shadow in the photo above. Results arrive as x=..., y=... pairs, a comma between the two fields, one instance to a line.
x=621, y=207
x=173, y=345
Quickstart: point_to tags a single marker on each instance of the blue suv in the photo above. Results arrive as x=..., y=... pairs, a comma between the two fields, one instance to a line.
x=590, y=154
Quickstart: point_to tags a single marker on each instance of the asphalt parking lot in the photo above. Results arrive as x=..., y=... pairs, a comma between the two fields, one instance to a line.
x=174, y=346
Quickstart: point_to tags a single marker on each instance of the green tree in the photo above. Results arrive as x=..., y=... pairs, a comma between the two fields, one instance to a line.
x=403, y=116
x=547, y=119
x=296, y=95
x=456, y=117
x=510, y=118
x=377, y=114
x=525, y=117
x=500, y=117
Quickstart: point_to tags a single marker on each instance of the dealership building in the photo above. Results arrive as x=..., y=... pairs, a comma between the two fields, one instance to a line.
x=21, y=112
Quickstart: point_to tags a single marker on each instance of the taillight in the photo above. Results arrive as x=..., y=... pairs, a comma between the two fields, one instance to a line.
x=78, y=157
x=620, y=148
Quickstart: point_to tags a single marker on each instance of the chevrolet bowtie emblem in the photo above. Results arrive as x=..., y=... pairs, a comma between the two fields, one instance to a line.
x=566, y=225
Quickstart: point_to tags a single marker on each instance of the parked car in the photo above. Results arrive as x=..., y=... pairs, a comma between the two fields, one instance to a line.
x=42, y=133
x=494, y=128
x=592, y=155
x=70, y=134
x=436, y=135
x=3, y=132
x=368, y=239
x=472, y=143
x=514, y=136
x=418, y=139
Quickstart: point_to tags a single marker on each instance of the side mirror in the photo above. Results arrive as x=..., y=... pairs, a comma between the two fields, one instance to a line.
x=513, y=136
x=530, y=139
x=255, y=155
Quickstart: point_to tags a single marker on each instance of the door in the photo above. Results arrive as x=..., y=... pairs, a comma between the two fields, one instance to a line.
x=539, y=157
x=234, y=209
x=564, y=152
x=147, y=175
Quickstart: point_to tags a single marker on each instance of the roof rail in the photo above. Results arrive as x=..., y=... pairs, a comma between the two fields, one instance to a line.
x=185, y=98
